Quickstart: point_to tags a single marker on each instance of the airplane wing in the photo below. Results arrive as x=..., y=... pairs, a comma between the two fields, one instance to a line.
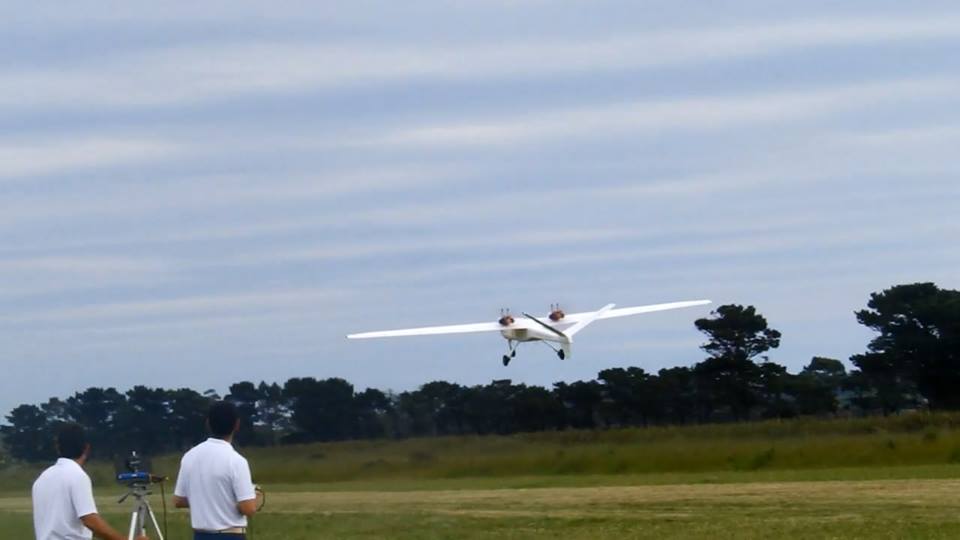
x=573, y=318
x=438, y=330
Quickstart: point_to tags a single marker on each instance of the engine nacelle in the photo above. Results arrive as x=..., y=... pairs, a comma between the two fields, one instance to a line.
x=556, y=314
x=506, y=319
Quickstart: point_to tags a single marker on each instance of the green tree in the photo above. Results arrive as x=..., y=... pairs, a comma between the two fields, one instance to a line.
x=273, y=411
x=374, y=412
x=675, y=389
x=729, y=377
x=30, y=435
x=581, y=401
x=817, y=386
x=536, y=409
x=918, y=343
x=96, y=410
x=321, y=410
x=245, y=396
x=187, y=417
x=629, y=396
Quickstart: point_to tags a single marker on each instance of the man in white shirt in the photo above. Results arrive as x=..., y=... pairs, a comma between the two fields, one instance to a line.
x=63, y=505
x=214, y=481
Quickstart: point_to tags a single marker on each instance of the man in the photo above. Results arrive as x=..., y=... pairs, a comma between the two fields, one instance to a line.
x=63, y=506
x=214, y=481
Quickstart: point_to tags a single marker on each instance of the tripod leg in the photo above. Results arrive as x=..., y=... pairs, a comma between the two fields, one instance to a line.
x=133, y=524
x=153, y=519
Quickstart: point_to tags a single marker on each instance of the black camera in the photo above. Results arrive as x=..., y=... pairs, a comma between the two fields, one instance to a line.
x=134, y=470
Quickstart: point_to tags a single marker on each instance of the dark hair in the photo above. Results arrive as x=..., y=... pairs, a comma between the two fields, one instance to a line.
x=71, y=441
x=222, y=418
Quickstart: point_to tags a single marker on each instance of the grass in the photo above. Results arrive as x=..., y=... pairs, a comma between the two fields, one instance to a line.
x=828, y=509
x=864, y=478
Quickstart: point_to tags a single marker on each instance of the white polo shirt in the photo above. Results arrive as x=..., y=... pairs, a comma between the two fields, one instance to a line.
x=214, y=478
x=61, y=496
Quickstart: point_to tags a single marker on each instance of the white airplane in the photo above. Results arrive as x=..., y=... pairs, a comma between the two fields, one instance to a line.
x=556, y=327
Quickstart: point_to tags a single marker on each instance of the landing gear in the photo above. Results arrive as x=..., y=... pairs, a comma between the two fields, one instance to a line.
x=511, y=354
x=560, y=352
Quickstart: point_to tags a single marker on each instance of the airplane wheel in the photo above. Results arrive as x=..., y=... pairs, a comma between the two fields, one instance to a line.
x=561, y=354
x=506, y=360
x=513, y=353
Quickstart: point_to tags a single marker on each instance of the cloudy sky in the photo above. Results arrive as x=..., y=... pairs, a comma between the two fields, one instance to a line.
x=193, y=195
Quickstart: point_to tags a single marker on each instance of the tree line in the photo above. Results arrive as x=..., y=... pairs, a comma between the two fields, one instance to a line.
x=913, y=362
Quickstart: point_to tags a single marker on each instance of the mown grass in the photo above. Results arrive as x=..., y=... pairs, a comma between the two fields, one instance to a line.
x=832, y=509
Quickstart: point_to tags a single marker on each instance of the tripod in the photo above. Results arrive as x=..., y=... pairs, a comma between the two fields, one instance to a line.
x=141, y=510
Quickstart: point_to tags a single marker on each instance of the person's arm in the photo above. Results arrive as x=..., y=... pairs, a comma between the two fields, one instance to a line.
x=80, y=491
x=102, y=529
x=180, y=499
x=247, y=508
x=243, y=488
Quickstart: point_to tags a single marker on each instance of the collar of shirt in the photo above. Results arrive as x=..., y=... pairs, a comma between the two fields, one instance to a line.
x=218, y=441
x=67, y=462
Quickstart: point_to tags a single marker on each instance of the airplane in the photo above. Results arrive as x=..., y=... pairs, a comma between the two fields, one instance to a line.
x=556, y=327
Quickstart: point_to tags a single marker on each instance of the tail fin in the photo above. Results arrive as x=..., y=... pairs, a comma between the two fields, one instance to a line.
x=570, y=332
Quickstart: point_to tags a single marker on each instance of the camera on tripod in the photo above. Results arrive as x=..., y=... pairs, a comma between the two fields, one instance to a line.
x=134, y=473
x=130, y=471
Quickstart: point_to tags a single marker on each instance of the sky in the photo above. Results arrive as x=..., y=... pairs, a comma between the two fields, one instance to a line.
x=193, y=195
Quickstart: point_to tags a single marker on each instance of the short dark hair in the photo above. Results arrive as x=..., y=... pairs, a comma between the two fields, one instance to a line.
x=71, y=441
x=222, y=418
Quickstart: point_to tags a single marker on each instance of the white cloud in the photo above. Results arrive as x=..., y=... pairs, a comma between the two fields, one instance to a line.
x=55, y=273
x=655, y=117
x=23, y=159
x=189, y=306
x=193, y=73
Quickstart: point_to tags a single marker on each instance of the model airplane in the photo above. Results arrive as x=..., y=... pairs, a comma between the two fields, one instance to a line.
x=556, y=327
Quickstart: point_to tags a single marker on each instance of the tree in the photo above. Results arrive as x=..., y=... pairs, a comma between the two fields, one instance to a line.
x=581, y=401
x=143, y=422
x=187, y=417
x=374, y=410
x=729, y=377
x=919, y=342
x=321, y=410
x=96, y=410
x=628, y=396
x=677, y=390
x=30, y=435
x=536, y=409
x=816, y=387
x=436, y=408
x=245, y=396
x=273, y=411
x=774, y=385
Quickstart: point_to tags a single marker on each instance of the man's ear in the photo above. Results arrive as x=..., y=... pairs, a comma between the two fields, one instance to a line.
x=86, y=452
x=236, y=426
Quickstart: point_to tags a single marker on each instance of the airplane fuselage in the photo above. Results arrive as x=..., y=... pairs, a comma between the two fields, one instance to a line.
x=524, y=335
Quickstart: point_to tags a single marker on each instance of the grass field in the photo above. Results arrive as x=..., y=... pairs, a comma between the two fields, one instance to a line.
x=876, y=478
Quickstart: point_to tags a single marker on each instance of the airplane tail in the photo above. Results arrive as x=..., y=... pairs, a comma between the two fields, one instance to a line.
x=570, y=332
